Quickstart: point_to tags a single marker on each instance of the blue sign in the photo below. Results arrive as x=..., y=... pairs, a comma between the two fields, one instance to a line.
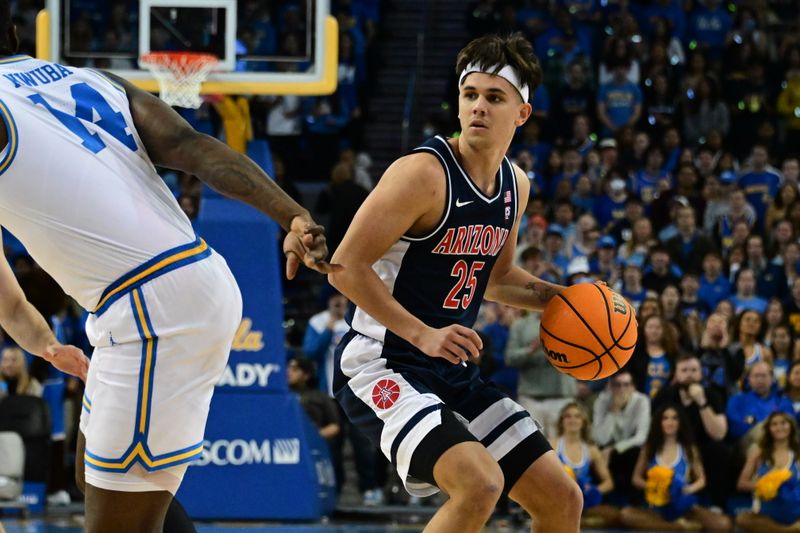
x=248, y=241
x=33, y=494
x=263, y=460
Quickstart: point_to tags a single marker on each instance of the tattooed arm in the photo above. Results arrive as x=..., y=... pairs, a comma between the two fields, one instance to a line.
x=172, y=143
x=510, y=284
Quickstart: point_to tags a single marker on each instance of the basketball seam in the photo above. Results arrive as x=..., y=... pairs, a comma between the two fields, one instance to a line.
x=610, y=330
x=587, y=327
x=597, y=358
x=624, y=331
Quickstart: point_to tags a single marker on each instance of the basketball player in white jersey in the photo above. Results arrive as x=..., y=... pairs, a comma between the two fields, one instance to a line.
x=436, y=235
x=78, y=187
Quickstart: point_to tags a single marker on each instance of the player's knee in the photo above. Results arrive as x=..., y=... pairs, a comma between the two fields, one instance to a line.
x=563, y=501
x=480, y=487
x=573, y=500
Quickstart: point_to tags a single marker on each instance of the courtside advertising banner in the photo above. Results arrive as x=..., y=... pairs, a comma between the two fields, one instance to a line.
x=248, y=241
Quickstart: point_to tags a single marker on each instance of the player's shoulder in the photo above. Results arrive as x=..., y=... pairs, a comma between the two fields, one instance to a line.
x=418, y=169
x=421, y=161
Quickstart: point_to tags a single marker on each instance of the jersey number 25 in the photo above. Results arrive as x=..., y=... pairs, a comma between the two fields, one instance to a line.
x=466, y=278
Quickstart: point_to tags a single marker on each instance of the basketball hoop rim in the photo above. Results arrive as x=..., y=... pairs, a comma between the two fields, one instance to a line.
x=167, y=58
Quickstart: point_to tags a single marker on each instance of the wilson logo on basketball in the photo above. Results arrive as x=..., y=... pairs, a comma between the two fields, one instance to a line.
x=619, y=304
x=555, y=356
x=385, y=393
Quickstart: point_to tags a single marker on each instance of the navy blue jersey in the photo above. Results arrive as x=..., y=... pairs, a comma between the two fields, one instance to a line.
x=441, y=277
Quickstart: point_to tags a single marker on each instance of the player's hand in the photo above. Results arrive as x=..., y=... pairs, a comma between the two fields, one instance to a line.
x=305, y=243
x=455, y=343
x=68, y=359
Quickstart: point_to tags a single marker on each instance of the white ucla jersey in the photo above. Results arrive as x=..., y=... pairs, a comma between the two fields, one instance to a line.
x=76, y=184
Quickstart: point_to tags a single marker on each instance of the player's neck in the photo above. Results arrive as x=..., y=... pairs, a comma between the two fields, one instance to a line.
x=481, y=164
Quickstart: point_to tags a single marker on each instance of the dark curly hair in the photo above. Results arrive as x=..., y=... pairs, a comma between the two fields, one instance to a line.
x=495, y=50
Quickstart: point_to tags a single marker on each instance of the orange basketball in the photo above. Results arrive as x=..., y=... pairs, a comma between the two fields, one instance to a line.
x=588, y=331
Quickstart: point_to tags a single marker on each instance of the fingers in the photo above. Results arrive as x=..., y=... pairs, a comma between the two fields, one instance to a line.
x=454, y=348
x=451, y=353
x=314, y=230
x=315, y=246
x=292, y=264
x=469, y=334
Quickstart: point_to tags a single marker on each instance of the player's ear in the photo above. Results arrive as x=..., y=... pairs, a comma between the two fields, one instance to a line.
x=525, y=111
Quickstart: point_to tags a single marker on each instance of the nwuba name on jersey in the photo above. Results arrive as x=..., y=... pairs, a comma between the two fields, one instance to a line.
x=43, y=75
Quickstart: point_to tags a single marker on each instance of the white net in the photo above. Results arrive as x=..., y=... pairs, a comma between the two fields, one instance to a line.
x=180, y=75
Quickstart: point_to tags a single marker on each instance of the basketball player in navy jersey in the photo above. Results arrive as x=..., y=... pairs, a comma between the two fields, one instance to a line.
x=434, y=239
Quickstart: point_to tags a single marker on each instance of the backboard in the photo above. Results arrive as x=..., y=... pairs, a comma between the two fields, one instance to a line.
x=264, y=47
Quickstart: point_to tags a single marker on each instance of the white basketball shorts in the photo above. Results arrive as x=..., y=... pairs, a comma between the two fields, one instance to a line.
x=162, y=335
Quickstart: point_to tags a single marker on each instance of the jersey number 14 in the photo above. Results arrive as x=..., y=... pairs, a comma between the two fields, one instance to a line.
x=89, y=101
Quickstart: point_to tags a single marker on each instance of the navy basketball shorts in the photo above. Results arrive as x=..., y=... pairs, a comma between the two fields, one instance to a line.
x=416, y=407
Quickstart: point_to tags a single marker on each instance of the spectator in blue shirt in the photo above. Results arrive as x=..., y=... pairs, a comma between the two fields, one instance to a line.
x=554, y=249
x=583, y=195
x=709, y=25
x=571, y=170
x=652, y=179
x=747, y=409
x=603, y=263
x=632, y=288
x=324, y=331
x=714, y=285
x=760, y=183
x=745, y=297
x=619, y=102
x=609, y=209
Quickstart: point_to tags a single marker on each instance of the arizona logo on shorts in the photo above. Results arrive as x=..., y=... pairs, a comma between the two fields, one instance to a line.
x=385, y=393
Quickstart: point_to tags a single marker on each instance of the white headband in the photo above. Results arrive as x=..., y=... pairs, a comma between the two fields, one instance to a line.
x=507, y=73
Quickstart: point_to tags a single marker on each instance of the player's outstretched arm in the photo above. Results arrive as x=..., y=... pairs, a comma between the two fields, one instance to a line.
x=510, y=284
x=410, y=194
x=30, y=330
x=172, y=143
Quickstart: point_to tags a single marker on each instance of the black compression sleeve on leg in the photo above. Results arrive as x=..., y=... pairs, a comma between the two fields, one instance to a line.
x=177, y=521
